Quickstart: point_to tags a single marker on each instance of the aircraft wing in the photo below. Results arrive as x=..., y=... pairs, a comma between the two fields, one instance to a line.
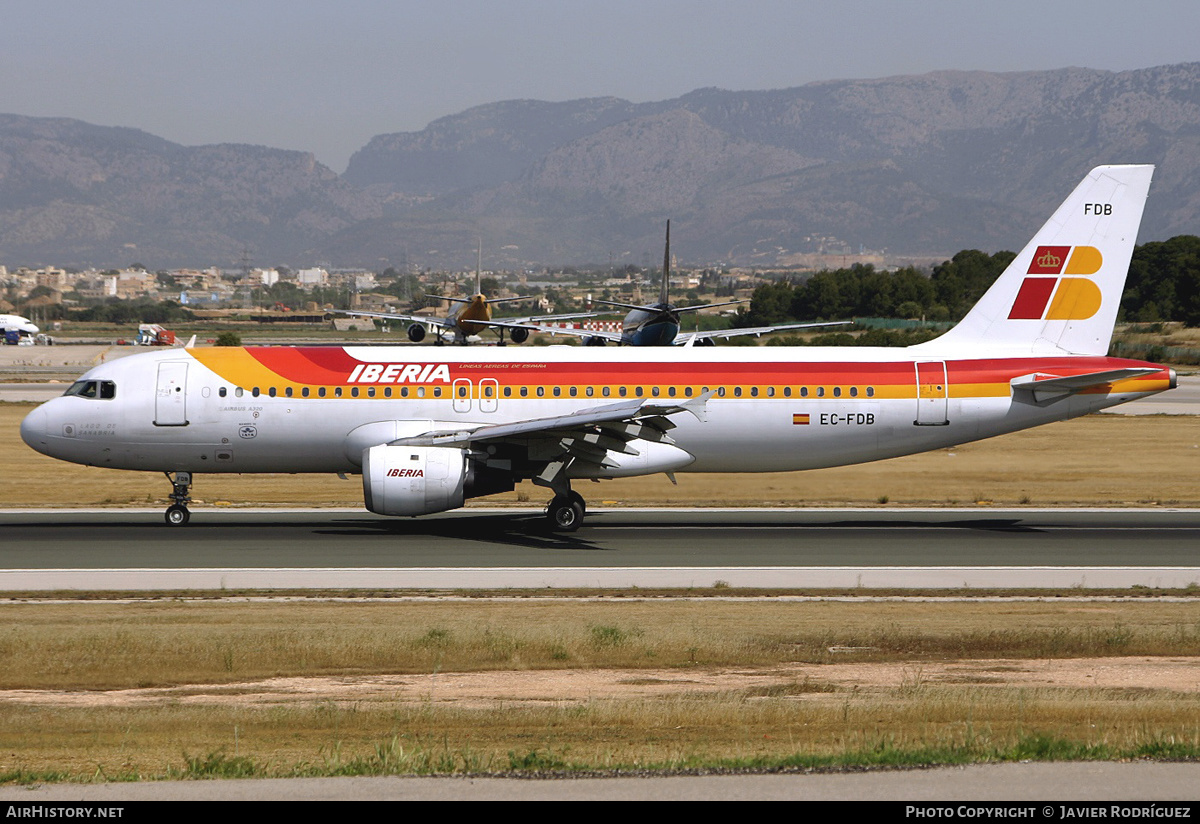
x=630, y=411
x=690, y=338
x=533, y=321
x=676, y=309
x=1043, y=387
x=587, y=435
x=521, y=323
x=425, y=319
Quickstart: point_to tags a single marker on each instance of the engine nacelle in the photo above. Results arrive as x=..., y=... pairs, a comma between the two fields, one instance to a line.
x=704, y=342
x=518, y=334
x=416, y=333
x=413, y=480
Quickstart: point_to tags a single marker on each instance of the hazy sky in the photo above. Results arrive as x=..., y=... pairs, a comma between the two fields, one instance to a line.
x=327, y=76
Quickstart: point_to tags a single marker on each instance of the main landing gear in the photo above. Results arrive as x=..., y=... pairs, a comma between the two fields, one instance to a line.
x=177, y=513
x=565, y=511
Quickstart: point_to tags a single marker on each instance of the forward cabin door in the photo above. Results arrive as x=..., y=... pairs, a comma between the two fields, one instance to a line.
x=932, y=394
x=170, y=397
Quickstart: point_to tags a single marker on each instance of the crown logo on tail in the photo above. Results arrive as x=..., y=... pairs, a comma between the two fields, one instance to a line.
x=1049, y=260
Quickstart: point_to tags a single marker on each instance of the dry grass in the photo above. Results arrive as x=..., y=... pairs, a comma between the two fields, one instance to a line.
x=686, y=684
x=736, y=729
x=1067, y=463
x=112, y=646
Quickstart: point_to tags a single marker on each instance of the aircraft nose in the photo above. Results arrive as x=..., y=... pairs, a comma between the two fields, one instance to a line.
x=33, y=429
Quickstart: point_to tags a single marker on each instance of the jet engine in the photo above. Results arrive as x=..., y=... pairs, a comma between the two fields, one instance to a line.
x=594, y=341
x=413, y=480
x=518, y=334
x=416, y=333
x=419, y=480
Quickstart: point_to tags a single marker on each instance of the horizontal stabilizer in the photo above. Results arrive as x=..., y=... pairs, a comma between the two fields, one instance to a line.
x=1044, y=387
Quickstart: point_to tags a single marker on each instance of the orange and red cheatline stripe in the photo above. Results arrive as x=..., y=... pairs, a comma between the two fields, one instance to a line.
x=332, y=366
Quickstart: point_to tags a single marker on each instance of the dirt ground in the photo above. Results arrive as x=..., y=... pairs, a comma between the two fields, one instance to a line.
x=569, y=686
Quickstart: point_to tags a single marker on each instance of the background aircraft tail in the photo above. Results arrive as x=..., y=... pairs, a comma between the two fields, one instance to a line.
x=1061, y=293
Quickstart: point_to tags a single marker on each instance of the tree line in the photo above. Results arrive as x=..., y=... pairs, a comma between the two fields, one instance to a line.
x=1163, y=284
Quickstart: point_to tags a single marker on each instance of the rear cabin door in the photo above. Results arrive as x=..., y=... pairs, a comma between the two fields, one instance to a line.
x=932, y=394
x=170, y=398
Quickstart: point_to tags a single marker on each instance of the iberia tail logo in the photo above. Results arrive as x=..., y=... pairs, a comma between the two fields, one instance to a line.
x=1047, y=296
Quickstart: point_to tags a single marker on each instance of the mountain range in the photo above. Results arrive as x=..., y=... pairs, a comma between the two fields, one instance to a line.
x=914, y=165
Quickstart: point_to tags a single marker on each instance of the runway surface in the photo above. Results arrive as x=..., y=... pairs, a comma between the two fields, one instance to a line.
x=1087, y=782
x=502, y=548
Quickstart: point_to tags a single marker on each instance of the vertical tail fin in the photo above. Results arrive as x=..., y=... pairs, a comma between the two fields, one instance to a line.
x=479, y=268
x=664, y=292
x=1061, y=293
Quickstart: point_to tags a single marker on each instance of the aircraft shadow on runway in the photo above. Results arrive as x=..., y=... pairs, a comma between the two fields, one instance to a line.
x=991, y=525
x=528, y=531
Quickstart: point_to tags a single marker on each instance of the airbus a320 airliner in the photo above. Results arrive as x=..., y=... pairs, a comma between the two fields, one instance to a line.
x=429, y=428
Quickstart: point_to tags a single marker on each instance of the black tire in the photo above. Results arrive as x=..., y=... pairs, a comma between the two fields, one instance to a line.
x=177, y=515
x=565, y=515
x=576, y=498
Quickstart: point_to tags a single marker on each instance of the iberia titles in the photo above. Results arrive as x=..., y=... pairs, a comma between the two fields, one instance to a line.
x=400, y=373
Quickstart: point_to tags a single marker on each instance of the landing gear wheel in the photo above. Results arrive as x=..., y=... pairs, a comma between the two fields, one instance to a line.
x=576, y=498
x=565, y=513
x=181, y=484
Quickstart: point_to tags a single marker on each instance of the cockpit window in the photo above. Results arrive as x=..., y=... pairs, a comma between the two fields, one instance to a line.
x=104, y=390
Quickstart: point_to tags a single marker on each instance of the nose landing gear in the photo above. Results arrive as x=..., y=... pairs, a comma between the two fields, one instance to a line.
x=177, y=513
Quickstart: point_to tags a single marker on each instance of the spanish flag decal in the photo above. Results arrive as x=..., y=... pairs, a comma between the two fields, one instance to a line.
x=799, y=420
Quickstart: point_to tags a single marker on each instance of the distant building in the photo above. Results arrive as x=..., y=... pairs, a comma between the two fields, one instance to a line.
x=312, y=277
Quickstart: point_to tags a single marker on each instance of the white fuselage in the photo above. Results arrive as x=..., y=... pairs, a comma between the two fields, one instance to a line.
x=772, y=409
